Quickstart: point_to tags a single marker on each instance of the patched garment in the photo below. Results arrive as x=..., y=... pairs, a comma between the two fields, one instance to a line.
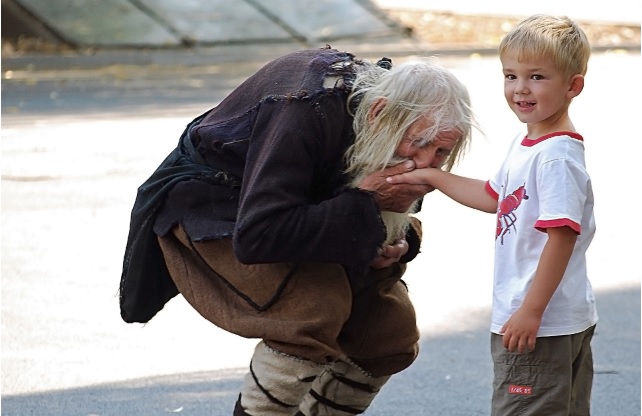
x=272, y=179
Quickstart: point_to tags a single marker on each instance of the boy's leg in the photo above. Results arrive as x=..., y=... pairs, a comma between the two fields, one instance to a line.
x=555, y=379
x=582, y=374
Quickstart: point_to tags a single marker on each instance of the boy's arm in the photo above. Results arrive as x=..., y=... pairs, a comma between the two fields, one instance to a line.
x=467, y=191
x=520, y=331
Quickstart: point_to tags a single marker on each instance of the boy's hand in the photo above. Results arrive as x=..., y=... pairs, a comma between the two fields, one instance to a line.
x=415, y=177
x=520, y=331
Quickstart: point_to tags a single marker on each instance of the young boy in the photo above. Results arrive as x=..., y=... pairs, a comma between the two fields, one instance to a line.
x=543, y=314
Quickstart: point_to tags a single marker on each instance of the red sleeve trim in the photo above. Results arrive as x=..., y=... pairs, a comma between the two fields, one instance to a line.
x=561, y=222
x=491, y=191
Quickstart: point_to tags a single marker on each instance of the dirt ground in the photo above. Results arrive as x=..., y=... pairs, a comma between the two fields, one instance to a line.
x=456, y=30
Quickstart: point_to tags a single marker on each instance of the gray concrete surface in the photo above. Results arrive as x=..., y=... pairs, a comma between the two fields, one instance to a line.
x=187, y=34
x=76, y=145
x=177, y=23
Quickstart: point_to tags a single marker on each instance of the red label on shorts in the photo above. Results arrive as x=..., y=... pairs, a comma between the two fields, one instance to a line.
x=524, y=390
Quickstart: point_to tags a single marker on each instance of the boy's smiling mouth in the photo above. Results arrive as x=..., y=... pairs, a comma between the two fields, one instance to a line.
x=525, y=104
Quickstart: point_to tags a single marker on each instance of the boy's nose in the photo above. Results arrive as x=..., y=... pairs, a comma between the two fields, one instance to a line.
x=521, y=87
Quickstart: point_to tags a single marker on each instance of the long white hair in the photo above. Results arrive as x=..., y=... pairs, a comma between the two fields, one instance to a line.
x=410, y=91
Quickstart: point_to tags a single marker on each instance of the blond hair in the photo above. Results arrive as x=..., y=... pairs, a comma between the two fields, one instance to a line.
x=557, y=38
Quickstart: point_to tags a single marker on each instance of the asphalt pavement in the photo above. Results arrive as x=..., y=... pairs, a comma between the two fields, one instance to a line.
x=77, y=142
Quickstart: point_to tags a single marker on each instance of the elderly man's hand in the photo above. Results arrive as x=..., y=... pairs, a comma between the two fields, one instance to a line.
x=390, y=254
x=394, y=197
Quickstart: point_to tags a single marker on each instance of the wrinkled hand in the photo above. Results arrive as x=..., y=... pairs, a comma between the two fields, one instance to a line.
x=520, y=331
x=390, y=254
x=394, y=197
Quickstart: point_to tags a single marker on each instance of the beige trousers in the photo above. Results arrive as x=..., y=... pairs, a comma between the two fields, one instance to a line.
x=305, y=310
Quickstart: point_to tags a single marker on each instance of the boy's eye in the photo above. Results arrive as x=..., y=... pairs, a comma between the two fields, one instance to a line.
x=510, y=77
x=537, y=77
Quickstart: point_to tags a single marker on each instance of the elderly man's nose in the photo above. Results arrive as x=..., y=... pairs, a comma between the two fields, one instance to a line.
x=425, y=158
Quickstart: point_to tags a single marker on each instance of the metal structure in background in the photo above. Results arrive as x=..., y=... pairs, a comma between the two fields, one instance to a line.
x=177, y=23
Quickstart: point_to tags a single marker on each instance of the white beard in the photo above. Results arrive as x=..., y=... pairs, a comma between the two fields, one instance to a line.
x=396, y=223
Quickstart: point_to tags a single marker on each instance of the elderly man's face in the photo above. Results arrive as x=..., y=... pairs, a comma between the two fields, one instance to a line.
x=432, y=154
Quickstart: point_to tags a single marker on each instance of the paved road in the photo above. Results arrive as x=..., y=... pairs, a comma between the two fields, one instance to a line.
x=76, y=146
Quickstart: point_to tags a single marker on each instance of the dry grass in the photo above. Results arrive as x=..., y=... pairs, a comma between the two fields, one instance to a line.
x=459, y=31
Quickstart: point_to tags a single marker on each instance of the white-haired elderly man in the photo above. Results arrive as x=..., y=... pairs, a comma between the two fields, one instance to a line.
x=273, y=218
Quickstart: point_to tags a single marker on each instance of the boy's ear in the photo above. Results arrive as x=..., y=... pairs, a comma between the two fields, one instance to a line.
x=576, y=86
x=376, y=108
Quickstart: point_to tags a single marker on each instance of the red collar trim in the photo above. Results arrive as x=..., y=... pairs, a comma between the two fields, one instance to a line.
x=528, y=142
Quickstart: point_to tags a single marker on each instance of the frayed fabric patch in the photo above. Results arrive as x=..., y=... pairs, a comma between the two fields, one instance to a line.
x=523, y=390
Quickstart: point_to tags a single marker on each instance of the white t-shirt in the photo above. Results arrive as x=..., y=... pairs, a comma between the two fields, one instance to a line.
x=543, y=183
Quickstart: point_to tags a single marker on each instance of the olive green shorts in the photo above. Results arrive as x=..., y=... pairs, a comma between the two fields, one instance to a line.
x=554, y=380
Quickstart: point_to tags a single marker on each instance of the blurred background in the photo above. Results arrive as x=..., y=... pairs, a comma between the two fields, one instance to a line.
x=90, y=25
x=95, y=93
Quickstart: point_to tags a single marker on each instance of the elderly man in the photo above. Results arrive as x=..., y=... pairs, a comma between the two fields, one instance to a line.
x=273, y=218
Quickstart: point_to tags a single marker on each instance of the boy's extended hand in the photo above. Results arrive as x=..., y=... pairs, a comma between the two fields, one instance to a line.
x=414, y=177
x=394, y=198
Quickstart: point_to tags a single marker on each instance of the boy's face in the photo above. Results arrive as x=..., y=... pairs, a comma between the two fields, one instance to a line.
x=537, y=92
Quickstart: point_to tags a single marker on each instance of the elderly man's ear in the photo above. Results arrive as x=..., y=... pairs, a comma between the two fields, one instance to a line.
x=376, y=108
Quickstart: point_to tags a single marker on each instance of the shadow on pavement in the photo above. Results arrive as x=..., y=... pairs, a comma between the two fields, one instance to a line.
x=205, y=393
x=451, y=377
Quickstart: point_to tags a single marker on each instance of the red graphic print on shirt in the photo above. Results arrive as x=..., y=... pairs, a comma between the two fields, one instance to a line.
x=506, y=212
